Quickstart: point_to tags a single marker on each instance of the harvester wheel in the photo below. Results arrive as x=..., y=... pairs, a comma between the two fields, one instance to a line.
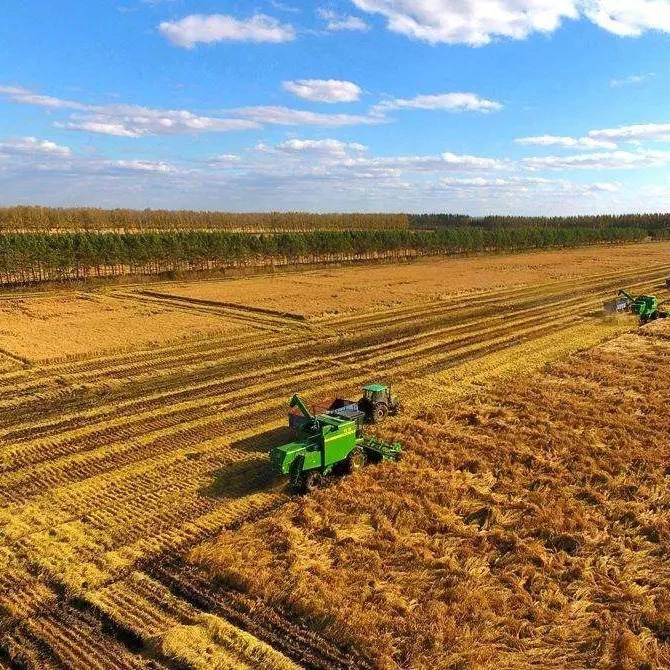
x=356, y=460
x=310, y=481
x=379, y=413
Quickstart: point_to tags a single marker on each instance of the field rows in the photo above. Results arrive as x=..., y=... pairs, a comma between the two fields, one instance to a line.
x=141, y=455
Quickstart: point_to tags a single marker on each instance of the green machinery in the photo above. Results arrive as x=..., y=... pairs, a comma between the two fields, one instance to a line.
x=647, y=307
x=326, y=444
x=378, y=402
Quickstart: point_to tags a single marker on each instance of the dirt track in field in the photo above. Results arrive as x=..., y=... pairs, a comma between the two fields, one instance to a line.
x=109, y=463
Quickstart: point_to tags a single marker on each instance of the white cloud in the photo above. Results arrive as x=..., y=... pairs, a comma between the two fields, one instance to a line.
x=628, y=18
x=631, y=80
x=226, y=159
x=470, y=22
x=324, y=90
x=328, y=147
x=451, y=102
x=124, y=120
x=338, y=22
x=143, y=166
x=285, y=116
x=135, y=121
x=528, y=186
x=26, y=97
x=567, y=142
x=284, y=8
x=615, y=160
x=656, y=132
x=446, y=162
x=476, y=23
x=31, y=146
x=207, y=29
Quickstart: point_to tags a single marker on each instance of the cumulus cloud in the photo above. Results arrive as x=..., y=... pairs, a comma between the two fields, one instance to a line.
x=31, y=146
x=450, y=102
x=655, y=132
x=628, y=18
x=207, y=29
x=337, y=22
x=324, y=90
x=477, y=23
x=470, y=21
x=567, y=142
x=615, y=160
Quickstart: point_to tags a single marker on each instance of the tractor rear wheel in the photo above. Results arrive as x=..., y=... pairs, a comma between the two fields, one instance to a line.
x=356, y=460
x=379, y=413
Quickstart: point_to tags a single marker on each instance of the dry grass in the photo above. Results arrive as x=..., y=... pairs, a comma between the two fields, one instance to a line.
x=55, y=326
x=213, y=644
x=527, y=528
x=343, y=290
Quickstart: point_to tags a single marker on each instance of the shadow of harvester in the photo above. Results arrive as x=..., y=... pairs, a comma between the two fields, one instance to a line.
x=253, y=474
x=263, y=442
x=240, y=479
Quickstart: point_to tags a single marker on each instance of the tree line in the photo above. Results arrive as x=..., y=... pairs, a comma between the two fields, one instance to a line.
x=54, y=219
x=649, y=222
x=83, y=219
x=33, y=257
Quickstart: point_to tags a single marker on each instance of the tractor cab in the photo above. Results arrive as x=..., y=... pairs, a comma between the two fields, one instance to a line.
x=377, y=402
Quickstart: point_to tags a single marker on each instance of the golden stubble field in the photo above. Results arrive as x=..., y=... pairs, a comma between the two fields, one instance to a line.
x=127, y=445
x=329, y=292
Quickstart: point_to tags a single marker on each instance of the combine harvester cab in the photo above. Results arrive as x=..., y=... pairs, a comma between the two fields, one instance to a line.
x=326, y=444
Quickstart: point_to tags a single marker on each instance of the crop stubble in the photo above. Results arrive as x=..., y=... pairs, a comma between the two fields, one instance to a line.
x=111, y=465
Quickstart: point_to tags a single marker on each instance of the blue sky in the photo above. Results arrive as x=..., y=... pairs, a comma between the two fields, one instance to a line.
x=508, y=106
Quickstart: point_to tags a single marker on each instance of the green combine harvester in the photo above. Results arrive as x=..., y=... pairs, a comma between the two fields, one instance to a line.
x=647, y=307
x=327, y=444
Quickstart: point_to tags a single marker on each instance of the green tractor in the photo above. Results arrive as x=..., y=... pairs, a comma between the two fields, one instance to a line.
x=326, y=444
x=647, y=307
x=377, y=403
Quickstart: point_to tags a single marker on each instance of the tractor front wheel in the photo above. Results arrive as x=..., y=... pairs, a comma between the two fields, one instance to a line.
x=356, y=460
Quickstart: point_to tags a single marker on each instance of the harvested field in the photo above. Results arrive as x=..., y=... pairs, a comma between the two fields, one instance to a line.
x=327, y=292
x=116, y=463
x=529, y=526
x=53, y=326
